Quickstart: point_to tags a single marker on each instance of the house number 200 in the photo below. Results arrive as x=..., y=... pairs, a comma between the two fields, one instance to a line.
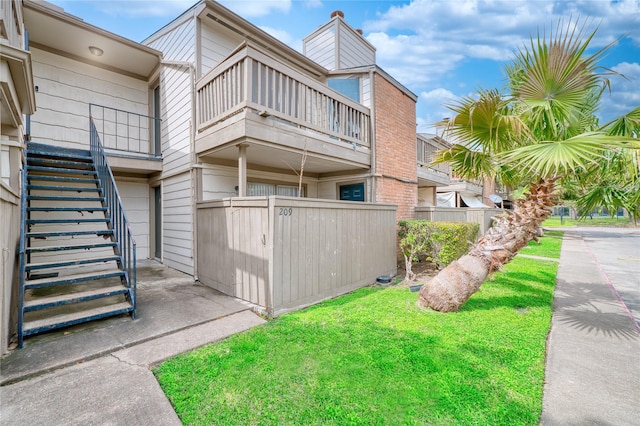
x=286, y=212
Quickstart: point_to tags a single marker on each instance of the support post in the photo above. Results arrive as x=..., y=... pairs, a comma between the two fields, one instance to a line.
x=242, y=170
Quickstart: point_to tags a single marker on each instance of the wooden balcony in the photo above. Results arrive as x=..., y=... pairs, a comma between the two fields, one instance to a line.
x=431, y=174
x=278, y=113
x=457, y=184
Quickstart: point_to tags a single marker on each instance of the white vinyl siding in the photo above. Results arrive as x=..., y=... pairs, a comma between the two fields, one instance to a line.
x=216, y=44
x=366, y=91
x=176, y=90
x=354, y=51
x=135, y=198
x=220, y=182
x=337, y=46
x=177, y=222
x=5, y=166
x=321, y=48
x=65, y=90
x=177, y=44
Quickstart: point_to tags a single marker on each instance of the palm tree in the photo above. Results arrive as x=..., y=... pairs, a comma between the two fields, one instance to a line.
x=541, y=130
x=615, y=183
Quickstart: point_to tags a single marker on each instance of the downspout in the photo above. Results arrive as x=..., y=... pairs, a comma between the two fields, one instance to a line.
x=192, y=158
x=374, y=197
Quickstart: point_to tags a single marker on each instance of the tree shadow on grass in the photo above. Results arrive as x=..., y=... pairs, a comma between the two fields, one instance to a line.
x=517, y=292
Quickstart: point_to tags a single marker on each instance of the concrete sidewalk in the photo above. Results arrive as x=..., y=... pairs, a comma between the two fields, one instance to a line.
x=98, y=373
x=592, y=372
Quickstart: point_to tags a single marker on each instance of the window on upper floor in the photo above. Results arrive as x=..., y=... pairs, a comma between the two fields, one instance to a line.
x=350, y=87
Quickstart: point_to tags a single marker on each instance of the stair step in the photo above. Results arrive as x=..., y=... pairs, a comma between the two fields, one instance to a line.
x=65, y=164
x=64, y=188
x=73, y=247
x=71, y=279
x=63, y=198
x=62, y=179
x=43, y=235
x=48, y=265
x=67, y=209
x=61, y=170
x=70, y=220
x=65, y=320
x=35, y=148
x=77, y=297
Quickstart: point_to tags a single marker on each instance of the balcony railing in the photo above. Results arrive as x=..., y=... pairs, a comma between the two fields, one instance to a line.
x=457, y=179
x=250, y=79
x=126, y=133
x=426, y=150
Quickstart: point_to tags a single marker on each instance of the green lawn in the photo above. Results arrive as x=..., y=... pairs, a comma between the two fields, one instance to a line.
x=372, y=358
x=549, y=246
x=554, y=222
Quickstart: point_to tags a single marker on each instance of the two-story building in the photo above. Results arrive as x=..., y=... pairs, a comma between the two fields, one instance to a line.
x=273, y=175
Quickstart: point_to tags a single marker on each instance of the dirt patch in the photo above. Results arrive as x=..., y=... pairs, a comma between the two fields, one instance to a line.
x=424, y=272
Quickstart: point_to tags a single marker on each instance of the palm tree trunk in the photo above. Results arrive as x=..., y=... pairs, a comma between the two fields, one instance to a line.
x=452, y=287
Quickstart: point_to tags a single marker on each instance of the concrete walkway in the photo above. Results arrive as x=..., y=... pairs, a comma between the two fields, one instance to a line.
x=98, y=373
x=592, y=372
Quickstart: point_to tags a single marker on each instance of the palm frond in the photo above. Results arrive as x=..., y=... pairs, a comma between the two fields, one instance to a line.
x=555, y=80
x=553, y=158
x=465, y=162
x=485, y=124
x=625, y=125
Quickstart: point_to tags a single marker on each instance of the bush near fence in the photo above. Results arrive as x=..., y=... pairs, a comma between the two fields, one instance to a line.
x=437, y=242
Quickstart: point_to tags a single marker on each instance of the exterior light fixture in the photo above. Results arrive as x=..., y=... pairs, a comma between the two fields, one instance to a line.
x=96, y=51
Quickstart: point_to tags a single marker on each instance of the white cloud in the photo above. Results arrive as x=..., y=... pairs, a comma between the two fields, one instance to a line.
x=424, y=43
x=281, y=35
x=142, y=8
x=434, y=102
x=485, y=29
x=624, y=92
x=313, y=4
x=257, y=8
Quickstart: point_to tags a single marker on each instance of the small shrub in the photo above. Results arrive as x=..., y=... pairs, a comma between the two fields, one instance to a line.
x=414, y=241
x=437, y=242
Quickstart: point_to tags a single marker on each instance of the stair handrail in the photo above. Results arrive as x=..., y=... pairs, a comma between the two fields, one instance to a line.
x=22, y=253
x=122, y=232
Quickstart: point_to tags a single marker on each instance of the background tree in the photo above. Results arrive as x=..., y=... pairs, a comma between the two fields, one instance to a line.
x=542, y=129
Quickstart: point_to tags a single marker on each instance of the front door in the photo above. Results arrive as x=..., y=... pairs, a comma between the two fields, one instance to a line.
x=353, y=192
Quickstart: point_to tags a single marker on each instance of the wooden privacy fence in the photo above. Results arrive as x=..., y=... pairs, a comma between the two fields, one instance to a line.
x=478, y=215
x=283, y=253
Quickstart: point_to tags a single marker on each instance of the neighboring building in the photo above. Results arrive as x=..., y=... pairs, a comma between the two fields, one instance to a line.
x=430, y=177
x=208, y=108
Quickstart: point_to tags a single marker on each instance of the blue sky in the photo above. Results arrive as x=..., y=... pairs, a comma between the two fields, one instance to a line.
x=440, y=50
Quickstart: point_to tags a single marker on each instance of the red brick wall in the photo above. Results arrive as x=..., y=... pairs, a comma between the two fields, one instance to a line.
x=395, y=126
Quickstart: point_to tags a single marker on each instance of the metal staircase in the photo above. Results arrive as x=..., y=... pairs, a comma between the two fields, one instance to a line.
x=77, y=253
